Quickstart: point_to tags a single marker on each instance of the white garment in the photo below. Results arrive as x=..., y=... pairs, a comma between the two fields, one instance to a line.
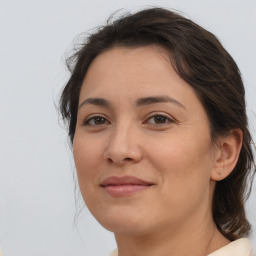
x=240, y=247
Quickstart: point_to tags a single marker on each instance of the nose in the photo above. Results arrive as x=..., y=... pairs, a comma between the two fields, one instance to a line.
x=123, y=147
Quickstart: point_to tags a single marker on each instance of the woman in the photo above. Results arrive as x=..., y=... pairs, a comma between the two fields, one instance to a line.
x=157, y=120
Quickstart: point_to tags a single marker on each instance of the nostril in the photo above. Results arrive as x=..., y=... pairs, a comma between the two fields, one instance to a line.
x=110, y=160
x=127, y=159
x=120, y=161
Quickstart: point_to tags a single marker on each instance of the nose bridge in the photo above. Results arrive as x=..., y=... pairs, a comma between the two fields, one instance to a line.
x=123, y=144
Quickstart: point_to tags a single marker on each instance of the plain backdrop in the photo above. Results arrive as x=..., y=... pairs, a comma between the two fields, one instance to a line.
x=37, y=202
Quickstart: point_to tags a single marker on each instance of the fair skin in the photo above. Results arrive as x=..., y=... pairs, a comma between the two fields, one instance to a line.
x=138, y=118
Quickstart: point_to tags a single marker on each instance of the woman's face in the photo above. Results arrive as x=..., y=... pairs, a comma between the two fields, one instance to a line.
x=142, y=145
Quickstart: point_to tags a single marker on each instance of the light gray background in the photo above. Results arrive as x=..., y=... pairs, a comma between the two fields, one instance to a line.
x=37, y=203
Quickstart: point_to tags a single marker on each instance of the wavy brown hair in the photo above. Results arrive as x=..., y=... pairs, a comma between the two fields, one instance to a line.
x=198, y=58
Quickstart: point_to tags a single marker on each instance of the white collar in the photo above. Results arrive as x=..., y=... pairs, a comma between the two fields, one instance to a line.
x=240, y=247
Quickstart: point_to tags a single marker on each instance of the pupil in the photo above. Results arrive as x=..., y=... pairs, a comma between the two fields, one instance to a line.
x=99, y=120
x=160, y=119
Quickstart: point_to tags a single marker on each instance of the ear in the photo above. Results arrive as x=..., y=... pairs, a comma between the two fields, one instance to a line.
x=226, y=155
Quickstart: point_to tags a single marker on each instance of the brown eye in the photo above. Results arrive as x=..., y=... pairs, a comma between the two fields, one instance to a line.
x=159, y=119
x=96, y=120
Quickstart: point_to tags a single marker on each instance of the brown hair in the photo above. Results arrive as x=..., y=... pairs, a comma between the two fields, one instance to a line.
x=199, y=59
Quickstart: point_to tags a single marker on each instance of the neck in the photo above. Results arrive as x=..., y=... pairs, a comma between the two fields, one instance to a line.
x=189, y=239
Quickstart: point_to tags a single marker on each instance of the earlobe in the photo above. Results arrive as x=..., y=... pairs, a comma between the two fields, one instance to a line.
x=227, y=155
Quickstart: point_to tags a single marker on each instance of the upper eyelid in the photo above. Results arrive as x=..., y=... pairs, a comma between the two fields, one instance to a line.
x=159, y=113
x=169, y=120
x=88, y=118
x=167, y=117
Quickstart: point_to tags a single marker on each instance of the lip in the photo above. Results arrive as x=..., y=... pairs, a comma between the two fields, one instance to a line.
x=125, y=185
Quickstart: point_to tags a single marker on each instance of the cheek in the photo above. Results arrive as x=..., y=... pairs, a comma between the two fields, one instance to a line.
x=86, y=159
x=87, y=152
x=180, y=149
x=185, y=172
x=184, y=162
x=87, y=167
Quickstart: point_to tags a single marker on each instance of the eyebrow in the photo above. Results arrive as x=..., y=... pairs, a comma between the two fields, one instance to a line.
x=158, y=99
x=95, y=101
x=140, y=102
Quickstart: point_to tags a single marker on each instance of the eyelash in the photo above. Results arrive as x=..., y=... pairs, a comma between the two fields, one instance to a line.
x=87, y=121
x=167, y=120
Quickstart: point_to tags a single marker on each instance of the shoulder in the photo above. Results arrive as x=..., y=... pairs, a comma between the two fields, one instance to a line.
x=240, y=247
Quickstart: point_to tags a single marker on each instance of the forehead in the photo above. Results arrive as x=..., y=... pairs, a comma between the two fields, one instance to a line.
x=123, y=76
x=132, y=73
x=148, y=67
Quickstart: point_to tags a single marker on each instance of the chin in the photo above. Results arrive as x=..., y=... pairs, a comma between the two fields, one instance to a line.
x=122, y=222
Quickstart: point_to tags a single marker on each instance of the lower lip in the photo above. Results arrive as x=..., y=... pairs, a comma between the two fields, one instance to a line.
x=125, y=190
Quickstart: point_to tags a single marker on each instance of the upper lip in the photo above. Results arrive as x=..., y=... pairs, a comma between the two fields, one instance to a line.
x=124, y=180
